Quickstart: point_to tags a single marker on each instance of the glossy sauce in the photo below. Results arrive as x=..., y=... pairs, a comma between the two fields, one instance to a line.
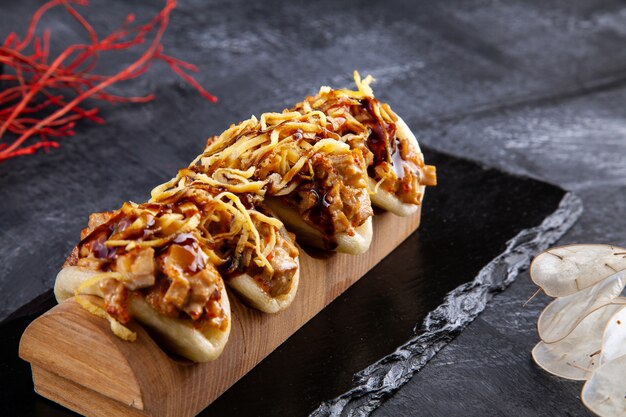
x=319, y=213
x=397, y=162
x=382, y=142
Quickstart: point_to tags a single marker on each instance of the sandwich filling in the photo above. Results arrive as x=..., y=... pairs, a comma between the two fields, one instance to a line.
x=154, y=251
x=245, y=238
x=299, y=159
x=174, y=250
x=393, y=161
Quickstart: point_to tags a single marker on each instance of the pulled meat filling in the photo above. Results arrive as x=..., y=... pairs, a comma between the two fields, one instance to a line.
x=237, y=256
x=171, y=251
x=282, y=259
x=301, y=158
x=336, y=200
x=396, y=164
x=371, y=126
x=116, y=299
x=173, y=275
x=283, y=262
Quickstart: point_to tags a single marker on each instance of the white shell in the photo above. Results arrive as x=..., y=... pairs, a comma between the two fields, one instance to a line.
x=247, y=288
x=358, y=243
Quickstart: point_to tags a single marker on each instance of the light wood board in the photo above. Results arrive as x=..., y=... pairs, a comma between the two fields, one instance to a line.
x=79, y=363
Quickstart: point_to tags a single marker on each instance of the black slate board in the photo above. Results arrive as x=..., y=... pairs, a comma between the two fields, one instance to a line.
x=467, y=221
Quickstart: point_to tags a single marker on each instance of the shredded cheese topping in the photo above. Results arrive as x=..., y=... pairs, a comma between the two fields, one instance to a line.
x=395, y=163
x=272, y=150
x=275, y=151
x=281, y=154
x=191, y=184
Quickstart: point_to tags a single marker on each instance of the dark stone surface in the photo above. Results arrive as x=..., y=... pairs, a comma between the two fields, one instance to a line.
x=532, y=87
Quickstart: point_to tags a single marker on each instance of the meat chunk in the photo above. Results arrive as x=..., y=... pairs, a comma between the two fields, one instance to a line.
x=95, y=220
x=138, y=266
x=187, y=282
x=116, y=301
x=285, y=267
x=201, y=287
x=337, y=200
x=155, y=297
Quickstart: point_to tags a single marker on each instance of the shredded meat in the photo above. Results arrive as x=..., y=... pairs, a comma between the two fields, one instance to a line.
x=187, y=291
x=196, y=295
x=185, y=282
x=337, y=199
x=370, y=126
x=285, y=268
x=177, y=292
x=95, y=220
x=403, y=175
x=201, y=287
x=138, y=263
x=282, y=259
x=116, y=301
x=175, y=279
x=155, y=297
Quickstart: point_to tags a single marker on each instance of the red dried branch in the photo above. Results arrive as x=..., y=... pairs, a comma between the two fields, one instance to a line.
x=42, y=99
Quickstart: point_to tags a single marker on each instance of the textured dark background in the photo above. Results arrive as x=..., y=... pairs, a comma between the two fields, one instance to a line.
x=531, y=87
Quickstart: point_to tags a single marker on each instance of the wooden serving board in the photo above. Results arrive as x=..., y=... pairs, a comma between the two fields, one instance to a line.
x=78, y=362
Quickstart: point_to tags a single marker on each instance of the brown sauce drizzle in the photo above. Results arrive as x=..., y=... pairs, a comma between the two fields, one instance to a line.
x=382, y=141
x=319, y=213
x=397, y=162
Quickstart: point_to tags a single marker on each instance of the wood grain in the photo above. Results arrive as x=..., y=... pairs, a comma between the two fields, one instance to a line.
x=79, y=363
